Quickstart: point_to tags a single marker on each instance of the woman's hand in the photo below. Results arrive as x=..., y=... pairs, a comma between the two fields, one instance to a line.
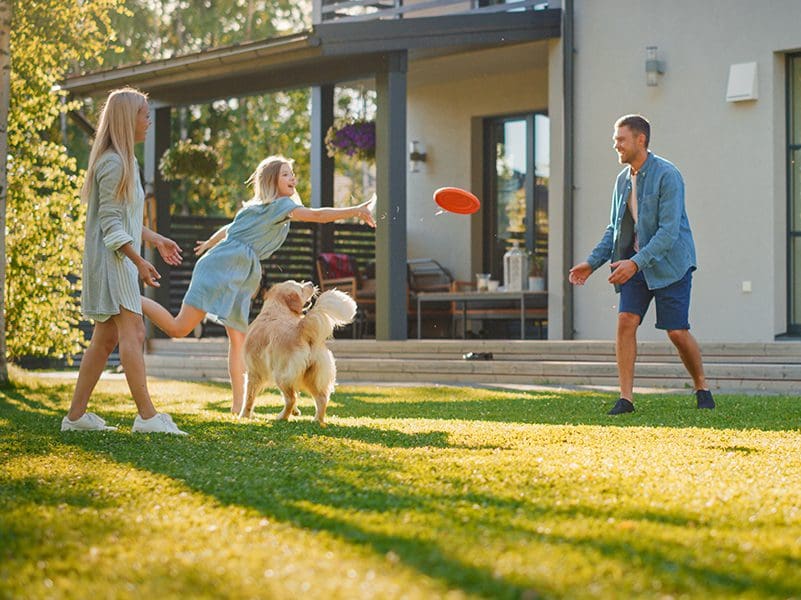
x=148, y=273
x=169, y=250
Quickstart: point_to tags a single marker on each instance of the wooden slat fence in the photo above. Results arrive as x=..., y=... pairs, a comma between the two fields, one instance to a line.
x=295, y=259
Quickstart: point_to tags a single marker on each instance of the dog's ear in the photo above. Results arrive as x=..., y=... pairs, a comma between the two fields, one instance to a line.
x=294, y=302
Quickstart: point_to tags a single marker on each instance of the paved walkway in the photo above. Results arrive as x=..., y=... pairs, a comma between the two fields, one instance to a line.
x=114, y=375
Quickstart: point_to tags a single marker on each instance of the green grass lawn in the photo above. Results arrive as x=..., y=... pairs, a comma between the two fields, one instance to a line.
x=408, y=493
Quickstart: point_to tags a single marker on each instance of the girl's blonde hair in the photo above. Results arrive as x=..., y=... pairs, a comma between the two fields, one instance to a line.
x=265, y=180
x=115, y=132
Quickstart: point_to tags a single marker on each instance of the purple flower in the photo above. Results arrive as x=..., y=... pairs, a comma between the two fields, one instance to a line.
x=354, y=138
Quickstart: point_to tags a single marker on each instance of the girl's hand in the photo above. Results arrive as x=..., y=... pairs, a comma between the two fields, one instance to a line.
x=364, y=212
x=148, y=273
x=201, y=247
x=169, y=250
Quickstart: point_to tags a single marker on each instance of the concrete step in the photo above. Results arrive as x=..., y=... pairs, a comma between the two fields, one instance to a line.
x=784, y=352
x=772, y=367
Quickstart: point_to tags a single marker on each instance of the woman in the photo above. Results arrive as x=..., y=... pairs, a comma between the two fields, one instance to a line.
x=112, y=265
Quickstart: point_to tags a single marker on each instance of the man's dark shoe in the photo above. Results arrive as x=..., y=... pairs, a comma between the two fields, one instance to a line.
x=705, y=399
x=622, y=406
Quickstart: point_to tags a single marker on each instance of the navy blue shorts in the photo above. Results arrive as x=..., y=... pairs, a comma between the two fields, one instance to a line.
x=672, y=302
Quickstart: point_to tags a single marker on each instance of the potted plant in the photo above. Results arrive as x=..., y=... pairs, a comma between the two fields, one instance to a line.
x=187, y=160
x=192, y=167
x=536, y=272
x=353, y=138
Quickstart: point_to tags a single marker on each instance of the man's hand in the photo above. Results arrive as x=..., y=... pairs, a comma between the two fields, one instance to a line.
x=622, y=271
x=169, y=250
x=148, y=273
x=578, y=275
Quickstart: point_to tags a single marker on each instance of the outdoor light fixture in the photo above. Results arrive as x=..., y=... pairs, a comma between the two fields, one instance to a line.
x=416, y=156
x=653, y=67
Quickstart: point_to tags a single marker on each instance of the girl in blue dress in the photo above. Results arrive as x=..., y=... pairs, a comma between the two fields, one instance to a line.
x=227, y=276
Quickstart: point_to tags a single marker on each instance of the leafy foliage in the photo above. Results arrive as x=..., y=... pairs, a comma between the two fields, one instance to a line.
x=244, y=131
x=45, y=218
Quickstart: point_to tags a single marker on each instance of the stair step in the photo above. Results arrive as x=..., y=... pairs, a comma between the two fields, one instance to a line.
x=774, y=367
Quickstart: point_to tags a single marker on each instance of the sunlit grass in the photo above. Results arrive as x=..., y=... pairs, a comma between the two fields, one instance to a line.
x=409, y=492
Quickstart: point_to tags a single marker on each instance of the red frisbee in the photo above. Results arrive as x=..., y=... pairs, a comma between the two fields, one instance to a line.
x=457, y=200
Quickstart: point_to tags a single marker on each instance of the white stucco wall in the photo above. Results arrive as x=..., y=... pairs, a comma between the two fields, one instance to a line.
x=444, y=95
x=732, y=155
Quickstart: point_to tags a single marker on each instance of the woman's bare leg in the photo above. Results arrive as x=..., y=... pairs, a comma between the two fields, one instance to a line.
x=176, y=327
x=131, y=334
x=104, y=340
x=236, y=367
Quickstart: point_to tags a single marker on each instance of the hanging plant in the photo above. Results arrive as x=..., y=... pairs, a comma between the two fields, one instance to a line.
x=351, y=138
x=187, y=160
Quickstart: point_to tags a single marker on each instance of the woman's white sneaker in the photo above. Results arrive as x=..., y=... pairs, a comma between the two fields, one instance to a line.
x=159, y=423
x=86, y=422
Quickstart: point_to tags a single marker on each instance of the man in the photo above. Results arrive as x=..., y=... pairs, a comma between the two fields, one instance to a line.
x=653, y=256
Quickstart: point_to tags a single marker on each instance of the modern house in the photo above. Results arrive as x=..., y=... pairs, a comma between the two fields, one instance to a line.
x=516, y=101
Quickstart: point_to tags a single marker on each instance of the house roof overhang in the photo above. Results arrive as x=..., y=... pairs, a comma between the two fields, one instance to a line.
x=331, y=52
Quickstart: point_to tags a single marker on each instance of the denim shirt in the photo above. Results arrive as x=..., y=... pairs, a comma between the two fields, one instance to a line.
x=667, y=250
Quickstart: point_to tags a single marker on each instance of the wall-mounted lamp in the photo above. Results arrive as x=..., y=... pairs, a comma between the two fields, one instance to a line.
x=653, y=66
x=416, y=156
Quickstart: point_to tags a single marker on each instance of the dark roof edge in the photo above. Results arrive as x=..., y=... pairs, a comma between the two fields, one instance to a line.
x=221, y=54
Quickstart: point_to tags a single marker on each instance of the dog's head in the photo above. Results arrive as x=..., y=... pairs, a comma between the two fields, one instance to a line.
x=293, y=294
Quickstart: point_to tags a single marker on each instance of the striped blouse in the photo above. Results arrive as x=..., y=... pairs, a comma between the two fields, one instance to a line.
x=110, y=279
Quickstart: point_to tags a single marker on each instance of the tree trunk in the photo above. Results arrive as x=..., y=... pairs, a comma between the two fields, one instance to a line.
x=6, y=11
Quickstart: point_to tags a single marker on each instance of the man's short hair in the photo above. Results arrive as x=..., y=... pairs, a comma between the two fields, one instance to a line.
x=638, y=124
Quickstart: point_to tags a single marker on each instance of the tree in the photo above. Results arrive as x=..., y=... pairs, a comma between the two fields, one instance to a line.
x=5, y=92
x=45, y=218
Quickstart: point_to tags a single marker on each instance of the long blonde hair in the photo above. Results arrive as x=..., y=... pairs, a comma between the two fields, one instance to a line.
x=265, y=180
x=115, y=132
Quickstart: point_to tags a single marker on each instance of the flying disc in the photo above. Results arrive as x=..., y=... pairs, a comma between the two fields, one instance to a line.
x=456, y=200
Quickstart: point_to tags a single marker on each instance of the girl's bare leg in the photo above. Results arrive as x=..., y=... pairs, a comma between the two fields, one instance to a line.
x=236, y=367
x=104, y=340
x=131, y=334
x=176, y=327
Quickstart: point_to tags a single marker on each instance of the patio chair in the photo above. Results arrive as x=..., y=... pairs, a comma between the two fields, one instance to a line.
x=339, y=271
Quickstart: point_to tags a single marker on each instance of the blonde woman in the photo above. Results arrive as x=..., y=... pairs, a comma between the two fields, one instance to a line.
x=112, y=265
x=227, y=276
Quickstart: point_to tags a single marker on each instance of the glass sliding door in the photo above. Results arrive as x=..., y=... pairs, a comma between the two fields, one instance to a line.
x=794, y=194
x=517, y=164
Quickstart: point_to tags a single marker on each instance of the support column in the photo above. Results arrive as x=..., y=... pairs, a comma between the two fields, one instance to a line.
x=568, y=41
x=322, y=165
x=157, y=193
x=391, y=277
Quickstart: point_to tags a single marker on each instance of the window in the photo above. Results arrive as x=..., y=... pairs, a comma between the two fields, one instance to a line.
x=516, y=159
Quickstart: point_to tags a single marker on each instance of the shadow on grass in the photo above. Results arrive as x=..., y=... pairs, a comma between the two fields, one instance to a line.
x=295, y=473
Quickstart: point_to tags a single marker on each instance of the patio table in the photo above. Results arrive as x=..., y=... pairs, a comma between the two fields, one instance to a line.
x=526, y=299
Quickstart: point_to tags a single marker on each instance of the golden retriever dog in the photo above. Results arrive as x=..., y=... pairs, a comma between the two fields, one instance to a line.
x=287, y=347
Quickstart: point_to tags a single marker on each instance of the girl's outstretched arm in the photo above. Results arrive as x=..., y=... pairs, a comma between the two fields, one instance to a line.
x=362, y=211
x=215, y=239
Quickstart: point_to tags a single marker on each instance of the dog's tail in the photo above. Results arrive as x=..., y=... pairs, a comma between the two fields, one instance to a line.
x=331, y=310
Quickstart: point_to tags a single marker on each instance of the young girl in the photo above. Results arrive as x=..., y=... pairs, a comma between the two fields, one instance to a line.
x=112, y=265
x=227, y=277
